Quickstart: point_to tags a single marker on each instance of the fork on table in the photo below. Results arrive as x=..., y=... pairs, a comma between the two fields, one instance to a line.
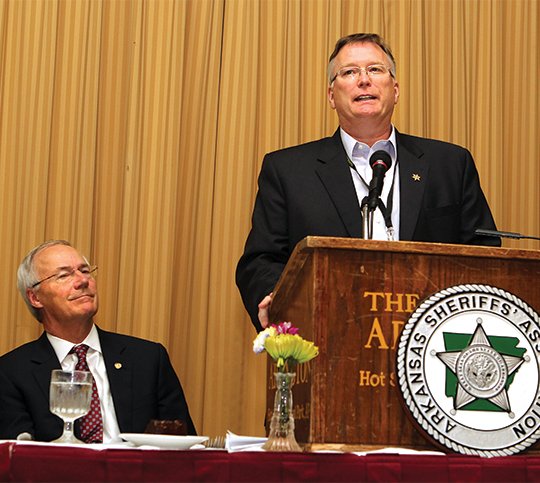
x=217, y=442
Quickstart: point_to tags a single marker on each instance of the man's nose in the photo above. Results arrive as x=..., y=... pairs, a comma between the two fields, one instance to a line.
x=81, y=279
x=363, y=77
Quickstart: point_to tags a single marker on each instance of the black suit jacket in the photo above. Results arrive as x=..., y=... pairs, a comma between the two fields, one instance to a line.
x=308, y=190
x=143, y=384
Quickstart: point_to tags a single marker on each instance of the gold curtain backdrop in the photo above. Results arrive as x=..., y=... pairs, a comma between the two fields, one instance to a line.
x=136, y=129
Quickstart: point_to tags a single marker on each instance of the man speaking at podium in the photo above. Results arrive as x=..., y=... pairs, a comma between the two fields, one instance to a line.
x=431, y=191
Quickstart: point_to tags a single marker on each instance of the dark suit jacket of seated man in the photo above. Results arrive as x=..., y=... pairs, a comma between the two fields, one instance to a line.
x=143, y=384
x=309, y=189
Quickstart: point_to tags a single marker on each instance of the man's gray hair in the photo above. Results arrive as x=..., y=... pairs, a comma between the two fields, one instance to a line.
x=361, y=39
x=26, y=274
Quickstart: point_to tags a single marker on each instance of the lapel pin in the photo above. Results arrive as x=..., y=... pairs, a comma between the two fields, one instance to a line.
x=416, y=177
x=118, y=365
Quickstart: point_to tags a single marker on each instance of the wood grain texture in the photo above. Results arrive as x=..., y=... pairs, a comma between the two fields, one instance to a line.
x=352, y=298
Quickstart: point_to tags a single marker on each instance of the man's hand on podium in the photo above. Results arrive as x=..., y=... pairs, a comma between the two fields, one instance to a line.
x=264, y=307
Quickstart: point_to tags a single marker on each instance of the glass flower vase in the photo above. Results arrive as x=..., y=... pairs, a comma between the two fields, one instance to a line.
x=281, y=437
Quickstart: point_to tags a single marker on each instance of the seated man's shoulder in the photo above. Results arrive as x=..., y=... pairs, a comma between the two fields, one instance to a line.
x=22, y=352
x=19, y=362
x=137, y=343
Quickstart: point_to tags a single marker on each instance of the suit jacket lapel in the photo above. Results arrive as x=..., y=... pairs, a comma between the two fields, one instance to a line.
x=45, y=361
x=413, y=173
x=335, y=175
x=120, y=378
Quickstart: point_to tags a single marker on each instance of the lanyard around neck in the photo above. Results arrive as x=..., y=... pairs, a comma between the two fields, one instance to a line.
x=385, y=210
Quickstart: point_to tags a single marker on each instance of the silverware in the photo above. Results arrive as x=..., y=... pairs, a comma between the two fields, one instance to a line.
x=215, y=442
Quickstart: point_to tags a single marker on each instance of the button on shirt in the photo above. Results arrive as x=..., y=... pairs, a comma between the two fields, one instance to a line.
x=359, y=153
x=96, y=364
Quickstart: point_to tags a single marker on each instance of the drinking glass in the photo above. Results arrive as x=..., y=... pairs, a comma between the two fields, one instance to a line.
x=69, y=398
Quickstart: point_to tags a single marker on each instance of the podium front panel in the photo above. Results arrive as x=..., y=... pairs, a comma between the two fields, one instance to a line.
x=353, y=299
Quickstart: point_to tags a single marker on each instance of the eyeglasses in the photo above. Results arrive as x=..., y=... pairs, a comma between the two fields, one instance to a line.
x=352, y=72
x=68, y=274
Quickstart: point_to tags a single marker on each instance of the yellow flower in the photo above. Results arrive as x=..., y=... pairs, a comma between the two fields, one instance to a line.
x=292, y=348
x=305, y=351
x=284, y=345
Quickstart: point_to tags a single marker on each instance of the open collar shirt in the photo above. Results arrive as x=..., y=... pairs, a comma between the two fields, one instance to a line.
x=359, y=153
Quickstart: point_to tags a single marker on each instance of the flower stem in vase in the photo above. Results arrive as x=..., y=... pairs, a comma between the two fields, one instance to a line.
x=281, y=437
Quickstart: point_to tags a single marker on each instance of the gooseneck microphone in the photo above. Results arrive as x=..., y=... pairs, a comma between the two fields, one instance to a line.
x=503, y=234
x=380, y=162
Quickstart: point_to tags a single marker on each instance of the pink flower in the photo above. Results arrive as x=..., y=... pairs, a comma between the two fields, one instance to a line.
x=285, y=328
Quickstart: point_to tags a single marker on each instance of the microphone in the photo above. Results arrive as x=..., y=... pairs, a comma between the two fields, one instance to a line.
x=380, y=162
x=502, y=234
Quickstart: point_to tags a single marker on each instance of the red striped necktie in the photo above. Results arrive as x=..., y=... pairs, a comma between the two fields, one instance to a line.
x=90, y=425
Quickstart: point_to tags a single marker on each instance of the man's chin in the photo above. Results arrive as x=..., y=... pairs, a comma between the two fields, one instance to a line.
x=367, y=109
x=87, y=304
x=91, y=312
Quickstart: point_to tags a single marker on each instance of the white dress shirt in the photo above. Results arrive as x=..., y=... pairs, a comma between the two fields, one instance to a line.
x=359, y=153
x=96, y=364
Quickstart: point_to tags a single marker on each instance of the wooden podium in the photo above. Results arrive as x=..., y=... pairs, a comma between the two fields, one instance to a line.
x=352, y=298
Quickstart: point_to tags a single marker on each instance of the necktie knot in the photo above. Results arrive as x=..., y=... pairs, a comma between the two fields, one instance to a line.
x=80, y=350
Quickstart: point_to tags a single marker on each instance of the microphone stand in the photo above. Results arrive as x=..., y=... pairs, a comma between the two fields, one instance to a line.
x=367, y=220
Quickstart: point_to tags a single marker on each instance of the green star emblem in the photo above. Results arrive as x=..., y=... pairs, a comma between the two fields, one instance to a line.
x=480, y=369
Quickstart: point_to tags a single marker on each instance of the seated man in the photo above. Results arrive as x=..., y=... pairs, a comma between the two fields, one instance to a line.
x=134, y=377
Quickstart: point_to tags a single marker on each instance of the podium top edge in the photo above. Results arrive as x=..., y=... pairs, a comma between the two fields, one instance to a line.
x=323, y=242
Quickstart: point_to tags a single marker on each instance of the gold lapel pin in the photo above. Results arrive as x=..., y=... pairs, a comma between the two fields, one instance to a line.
x=118, y=365
x=416, y=177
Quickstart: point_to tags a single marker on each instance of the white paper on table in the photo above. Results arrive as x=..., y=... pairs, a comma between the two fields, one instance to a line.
x=94, y=446
x=399, y=451
x=235, y=442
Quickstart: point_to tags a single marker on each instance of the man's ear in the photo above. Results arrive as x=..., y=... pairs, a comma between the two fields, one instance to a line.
x=33, y=297
x=330, y=95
